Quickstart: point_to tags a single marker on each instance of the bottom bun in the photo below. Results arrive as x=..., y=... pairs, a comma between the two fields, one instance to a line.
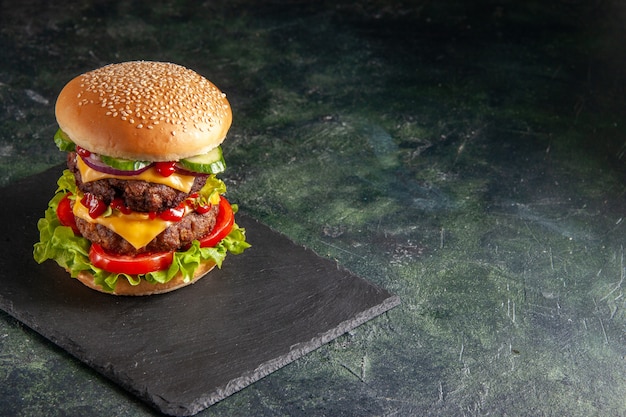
x=123, y=287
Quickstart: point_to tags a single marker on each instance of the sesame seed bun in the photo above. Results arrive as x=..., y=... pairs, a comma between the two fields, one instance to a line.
x=152, y=111
x=123, y=287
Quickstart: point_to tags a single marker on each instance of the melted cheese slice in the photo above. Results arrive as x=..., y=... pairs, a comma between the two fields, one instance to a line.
x=137, y=228
x=177, y=181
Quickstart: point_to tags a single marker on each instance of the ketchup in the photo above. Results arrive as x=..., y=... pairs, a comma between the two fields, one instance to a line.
x=194, y=202
x=95, y=206
x=118, y=204
x=174, y=214
x=165, y=168
x=84, y=153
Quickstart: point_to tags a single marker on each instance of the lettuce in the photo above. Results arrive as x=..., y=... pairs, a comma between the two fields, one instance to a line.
x=71, y=252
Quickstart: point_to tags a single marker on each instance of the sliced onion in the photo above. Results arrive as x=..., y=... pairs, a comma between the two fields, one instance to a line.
x=93, y=162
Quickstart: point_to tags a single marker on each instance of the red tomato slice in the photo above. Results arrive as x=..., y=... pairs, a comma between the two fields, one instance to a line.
x=132, y=265
x=223, y=225
x=65, y=214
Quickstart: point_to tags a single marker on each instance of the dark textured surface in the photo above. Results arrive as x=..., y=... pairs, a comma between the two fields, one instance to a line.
x=465, y=155
x=187, y=349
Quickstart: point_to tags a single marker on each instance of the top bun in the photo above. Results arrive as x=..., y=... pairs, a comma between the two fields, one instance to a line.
x=153, y=111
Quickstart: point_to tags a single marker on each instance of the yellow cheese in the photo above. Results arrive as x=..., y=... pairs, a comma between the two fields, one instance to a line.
x=137, y=228
x=177, y=181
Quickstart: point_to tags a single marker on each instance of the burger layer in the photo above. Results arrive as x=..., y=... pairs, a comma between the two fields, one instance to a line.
x=137, y=195
x=154, y=111
x=177, y=236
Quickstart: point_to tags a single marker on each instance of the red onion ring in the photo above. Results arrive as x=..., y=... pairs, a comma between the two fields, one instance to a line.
x=93, y=162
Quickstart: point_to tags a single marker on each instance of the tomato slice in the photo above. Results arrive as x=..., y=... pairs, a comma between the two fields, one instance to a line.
x=127, y=264
x=66, y=215
x=223, y=225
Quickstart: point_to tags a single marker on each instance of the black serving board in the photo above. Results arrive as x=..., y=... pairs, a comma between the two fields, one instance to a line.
x=183, y=351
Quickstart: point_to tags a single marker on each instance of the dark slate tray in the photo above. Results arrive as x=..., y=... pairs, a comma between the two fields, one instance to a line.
x=183, y=351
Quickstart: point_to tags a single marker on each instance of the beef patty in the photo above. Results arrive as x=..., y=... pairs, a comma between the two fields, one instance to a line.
x=177, y=236
x=145, y=197
x=141, y=196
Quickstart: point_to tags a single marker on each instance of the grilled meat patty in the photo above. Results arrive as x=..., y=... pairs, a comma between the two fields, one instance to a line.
x=145, y=197
x=141, y=196
x=177, y=236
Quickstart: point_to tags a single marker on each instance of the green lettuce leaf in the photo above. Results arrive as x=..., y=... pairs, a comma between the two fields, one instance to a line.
x=71, y=252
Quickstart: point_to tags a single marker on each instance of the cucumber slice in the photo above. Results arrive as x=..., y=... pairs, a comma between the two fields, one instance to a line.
x=208, y=163
x=63, y=142
x=124, y=164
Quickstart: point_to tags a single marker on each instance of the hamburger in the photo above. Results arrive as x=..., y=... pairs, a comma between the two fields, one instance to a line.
x=139, y=209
